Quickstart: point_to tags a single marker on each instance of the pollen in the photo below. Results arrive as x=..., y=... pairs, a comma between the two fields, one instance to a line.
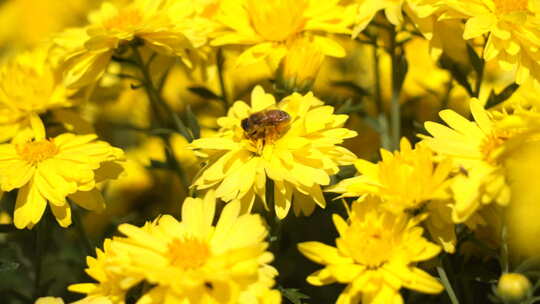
x=511, y=6
x=277, y=20
x=188, y=253
x=37, y=151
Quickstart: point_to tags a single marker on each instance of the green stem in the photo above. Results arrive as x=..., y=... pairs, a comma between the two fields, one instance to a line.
x=220, y=68
x=38, y=253
x=273, y=221
x=395, y=110
x=77, y=221
x=377, y=80
x=447, y=285
x=155, y=96
x=505, y=261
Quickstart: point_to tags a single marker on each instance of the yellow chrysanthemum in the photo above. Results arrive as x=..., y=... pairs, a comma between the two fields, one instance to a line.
x=477, y=150
x=29, y=86
x=268, y=28
x=190, y=261
x=299, y=157
x=89, y=50
x=112, y=285
x=390, y=179
x=375, y=255
x=53, y=170
x=513, y=29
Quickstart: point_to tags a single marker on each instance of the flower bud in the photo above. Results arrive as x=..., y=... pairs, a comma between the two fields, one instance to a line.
x=299, y=68
x=513, y=287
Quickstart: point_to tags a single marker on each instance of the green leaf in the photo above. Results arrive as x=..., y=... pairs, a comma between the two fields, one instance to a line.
x=457, y=72
x=476, y=61
x=496, y=99
x=293, y=295
x=353, y=86
x=6, y=265
x=193, y=123
x=349, y=107
x=401, y=72
x=204, y=92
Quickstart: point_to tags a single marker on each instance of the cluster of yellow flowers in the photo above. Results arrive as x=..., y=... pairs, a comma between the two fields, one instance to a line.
x=290, y=144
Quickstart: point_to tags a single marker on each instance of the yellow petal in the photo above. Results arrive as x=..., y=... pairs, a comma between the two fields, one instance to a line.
x=62, y=214
x=90, y=200
x=29, y=206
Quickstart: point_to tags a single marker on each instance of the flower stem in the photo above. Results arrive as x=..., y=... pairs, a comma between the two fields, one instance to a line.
x=158, y=103
x=155, y=96
x=77, y=221
x=273, y=221
x=447, y=285
x=395, y=110
x=220, y=68
x=38, y=253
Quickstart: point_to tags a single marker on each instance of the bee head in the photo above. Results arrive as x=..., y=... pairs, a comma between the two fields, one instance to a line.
x=245, y=124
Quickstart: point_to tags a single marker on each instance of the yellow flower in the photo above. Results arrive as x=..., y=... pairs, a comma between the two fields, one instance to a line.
x=513, y=29
x=28, y=22
x=478, y=152
x=268, y=28
x=299, y=156
x=89, y=50
x=375, y=255
x=29, y=86
x=299, y=68
x=53, y=170
x=112, y=285
x=390, y=179
x=188, y=261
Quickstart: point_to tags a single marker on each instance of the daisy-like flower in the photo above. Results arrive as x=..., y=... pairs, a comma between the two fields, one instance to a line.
x=29, y=86
x=375, y=255
x=189, y=261
x=112, y=285
x=390, y=179
x=513, y=29
x=268, y=28
x=478, y=151
x=53, y=170
x=89, y=50
x=294, y=143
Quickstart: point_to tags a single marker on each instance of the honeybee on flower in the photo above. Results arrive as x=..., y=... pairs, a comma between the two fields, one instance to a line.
x=294, y=143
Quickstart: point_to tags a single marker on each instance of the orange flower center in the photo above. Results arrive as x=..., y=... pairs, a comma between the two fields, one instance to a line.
x=188, y=253
x=511, y=6
x=277, y=20
x=124, y=20
x=37, y=151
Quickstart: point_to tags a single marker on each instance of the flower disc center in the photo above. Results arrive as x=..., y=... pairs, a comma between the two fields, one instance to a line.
x=188, y=253
x=37, y=151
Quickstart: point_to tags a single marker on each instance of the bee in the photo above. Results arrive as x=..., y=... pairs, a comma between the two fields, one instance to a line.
x=266, y=124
